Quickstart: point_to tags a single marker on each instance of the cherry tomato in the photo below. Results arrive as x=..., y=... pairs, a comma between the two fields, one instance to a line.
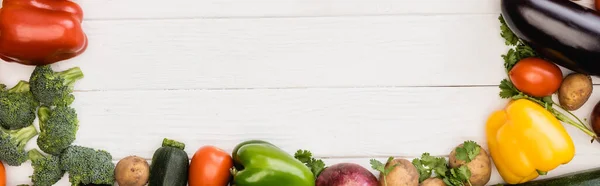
x=536, y=77
x=210, y=167
x=2, y=175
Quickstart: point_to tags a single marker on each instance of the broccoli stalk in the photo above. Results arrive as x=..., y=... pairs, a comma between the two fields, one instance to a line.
x=87, y=166
x=12, y=144
x=54, y=88
x=58, y=128
x=46, y=169
x=17, y=106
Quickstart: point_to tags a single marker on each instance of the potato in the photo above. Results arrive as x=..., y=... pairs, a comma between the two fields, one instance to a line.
x=574, y=91
x=132, y=171
x=433, y=182
x=404, y=174
x=480, y=166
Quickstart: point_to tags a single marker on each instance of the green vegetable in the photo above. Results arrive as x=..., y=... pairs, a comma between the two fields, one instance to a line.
x=259, y=163
x=427, y=165
x=468, y=151
x=46, y=169
x=377, y=165
x=87, y=166
x=170, y=164
x=58, y=128
x=12, y=144
x=54, y=88
x=316, y=166
x=17, y=106
x=589, y=177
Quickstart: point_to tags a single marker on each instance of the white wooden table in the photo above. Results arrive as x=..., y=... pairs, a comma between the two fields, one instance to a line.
x=349, y=80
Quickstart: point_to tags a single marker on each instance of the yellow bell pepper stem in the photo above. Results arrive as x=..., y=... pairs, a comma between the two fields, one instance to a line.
x=525, y=140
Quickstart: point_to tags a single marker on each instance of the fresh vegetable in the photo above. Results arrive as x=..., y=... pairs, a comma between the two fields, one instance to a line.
x=305, y=156
x=132, y=171
x=260, y=163
x=574, y=91
x=509, y=91
x=53, y=31
x=210, y=165
x=428, y=165
x=58, y=128
x=590, y=177
x=17, y=106
x=433, y=182
x=54, y=88
x=12, y=144
x=595, y=118
x=560, y=31
x=476, y=159
x=88, y=166
x=170, y=165
x=536, y=77
x=46, y=169
x=343, y=174
x=2, y=175
x=525, y=141
x=396, y=172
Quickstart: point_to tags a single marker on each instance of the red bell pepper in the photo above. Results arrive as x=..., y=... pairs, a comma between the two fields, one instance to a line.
x=41, y=32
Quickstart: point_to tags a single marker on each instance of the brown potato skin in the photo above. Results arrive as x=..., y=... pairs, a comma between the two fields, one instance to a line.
x=132, y=171
x=574, y=91
x=433, y=182
x=480, y=167
x=404, y=174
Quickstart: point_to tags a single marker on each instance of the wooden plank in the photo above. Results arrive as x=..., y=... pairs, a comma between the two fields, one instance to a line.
x=363, y=122
x=156, y=9
x=446, y=50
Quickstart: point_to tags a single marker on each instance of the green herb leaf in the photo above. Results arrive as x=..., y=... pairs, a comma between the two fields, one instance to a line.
x=509, y=37
x=427, y=165
x=507, y=89
x=305, y=156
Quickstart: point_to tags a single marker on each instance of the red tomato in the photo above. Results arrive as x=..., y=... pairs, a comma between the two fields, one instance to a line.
x=210, y=167
x=536, y=77
x=2, y=175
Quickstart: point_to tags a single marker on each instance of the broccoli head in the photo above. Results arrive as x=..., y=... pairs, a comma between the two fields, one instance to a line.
x=17, y=106
x=58, y=128
x=88, y=166
x=46, y=169
x=12, y=144
x=54, y=88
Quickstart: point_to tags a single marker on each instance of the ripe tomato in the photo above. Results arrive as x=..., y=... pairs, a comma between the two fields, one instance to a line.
x=210, y=167
x=536, y=77
x=2, y=175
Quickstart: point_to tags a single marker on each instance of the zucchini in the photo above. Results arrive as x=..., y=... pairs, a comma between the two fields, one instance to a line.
x=170, y=164
x=560, y=31
x=589, y=177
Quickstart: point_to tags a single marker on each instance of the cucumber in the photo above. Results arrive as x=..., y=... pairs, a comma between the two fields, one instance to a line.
x=170, y=164
x=590, y=177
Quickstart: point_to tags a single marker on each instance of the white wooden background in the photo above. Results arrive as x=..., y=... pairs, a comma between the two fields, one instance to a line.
x=349, y=80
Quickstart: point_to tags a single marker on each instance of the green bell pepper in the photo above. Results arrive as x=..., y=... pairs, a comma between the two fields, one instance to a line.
x=260, y=163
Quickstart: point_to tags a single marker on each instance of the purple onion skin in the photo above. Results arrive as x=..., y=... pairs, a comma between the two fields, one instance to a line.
x=346, y=174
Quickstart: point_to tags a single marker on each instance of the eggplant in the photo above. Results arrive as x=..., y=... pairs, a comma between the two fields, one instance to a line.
x=560, y=31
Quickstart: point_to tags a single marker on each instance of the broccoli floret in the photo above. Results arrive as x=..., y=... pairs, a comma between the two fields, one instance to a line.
x=58, y=128
x=46, y=169
x=54, y=88
x=87, y=166
x=17, y=106
x=12, y=144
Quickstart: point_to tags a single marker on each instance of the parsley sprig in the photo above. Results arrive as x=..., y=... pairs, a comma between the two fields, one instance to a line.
x=468, y=151
x=428, y=165
x=305, y=156
x=519, y=51
x=377, y=165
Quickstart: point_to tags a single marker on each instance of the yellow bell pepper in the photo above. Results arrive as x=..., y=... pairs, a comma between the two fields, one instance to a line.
x=524, y=140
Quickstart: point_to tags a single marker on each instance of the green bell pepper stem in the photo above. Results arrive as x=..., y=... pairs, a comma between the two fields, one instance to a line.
x=259, y=163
